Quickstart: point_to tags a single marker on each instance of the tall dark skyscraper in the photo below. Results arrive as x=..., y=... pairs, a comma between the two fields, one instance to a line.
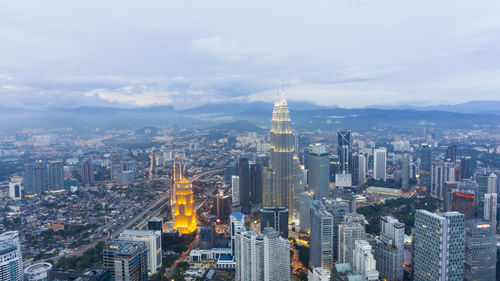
x=480, y=251
x=334, y=166
x=244, y=171
x=465, y=167
x=425, y=166
x=281, y=157
x=451, y=153
x=344, y=150
x=275, y=217
x=256, y=184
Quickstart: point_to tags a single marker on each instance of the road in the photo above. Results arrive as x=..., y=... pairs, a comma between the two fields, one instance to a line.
x=165, y=196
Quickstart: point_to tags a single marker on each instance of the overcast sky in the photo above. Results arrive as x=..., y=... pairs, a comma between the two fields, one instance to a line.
x=349, y=53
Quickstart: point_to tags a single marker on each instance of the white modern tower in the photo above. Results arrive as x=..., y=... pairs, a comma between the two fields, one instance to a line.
x=379, y=164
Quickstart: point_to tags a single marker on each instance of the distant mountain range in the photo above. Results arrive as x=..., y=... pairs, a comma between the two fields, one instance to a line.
x=256, y=115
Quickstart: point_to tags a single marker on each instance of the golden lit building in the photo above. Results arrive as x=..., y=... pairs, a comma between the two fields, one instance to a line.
x=184, y=212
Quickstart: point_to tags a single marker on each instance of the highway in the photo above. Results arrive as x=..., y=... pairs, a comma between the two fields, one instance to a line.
x=162, y=199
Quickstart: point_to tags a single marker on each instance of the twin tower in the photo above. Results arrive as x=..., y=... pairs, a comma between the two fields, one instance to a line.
x=278, y=191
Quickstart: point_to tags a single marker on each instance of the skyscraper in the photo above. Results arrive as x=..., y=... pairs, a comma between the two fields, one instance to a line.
x=344, y=150
x=236, y=222
x=321, y=250
x=389, y=249
x=152, y=240
x=364, y=262
x=492, y=183
x=10, y=262
x=439, y=246
x=16, y=188
x=319, y=166
x=281, y=157
x=480, y=251
x=451, y=153
x=12, y=238
x=126, y=260
x=244, y=172
x=264, y=256
x=334, y=167
x=349, y=232
x=425, y=166
x=305, y=199
x=256, y=184
x=490, y=209
x=43, y=176
x=465, y=167
x=235, y=187
x=405, y=173
x=275, y=218
x=88, y=178
x=437, y=179
x=379, y=164
x=184, y=213
x=338, y=209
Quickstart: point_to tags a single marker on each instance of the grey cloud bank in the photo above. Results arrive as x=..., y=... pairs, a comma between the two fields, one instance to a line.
x=56, y=54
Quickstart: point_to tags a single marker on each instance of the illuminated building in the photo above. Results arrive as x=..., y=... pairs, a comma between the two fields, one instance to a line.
x=12, y=259
x=184, y=213
x=281, y=158
x=364, y=262
x=380, y=164
x=463, y=202
x=389, y=249
x=344, y=150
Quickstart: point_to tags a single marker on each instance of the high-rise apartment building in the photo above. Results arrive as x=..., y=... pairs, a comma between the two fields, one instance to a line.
x=321, y=250
x=389, y=249
x=43, y=176
x=380, y=163
x=439, y=246
x=364, y=262
x=319, y=168
x=12, y=238
x=281, y=157
x=87, y=170
x=152, y=240
x=10, y=263
x=480, y=251
x=264, y=256
x=275, y=218
x=126, y=260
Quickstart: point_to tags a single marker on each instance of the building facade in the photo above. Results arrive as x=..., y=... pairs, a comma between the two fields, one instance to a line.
x=439, y=246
